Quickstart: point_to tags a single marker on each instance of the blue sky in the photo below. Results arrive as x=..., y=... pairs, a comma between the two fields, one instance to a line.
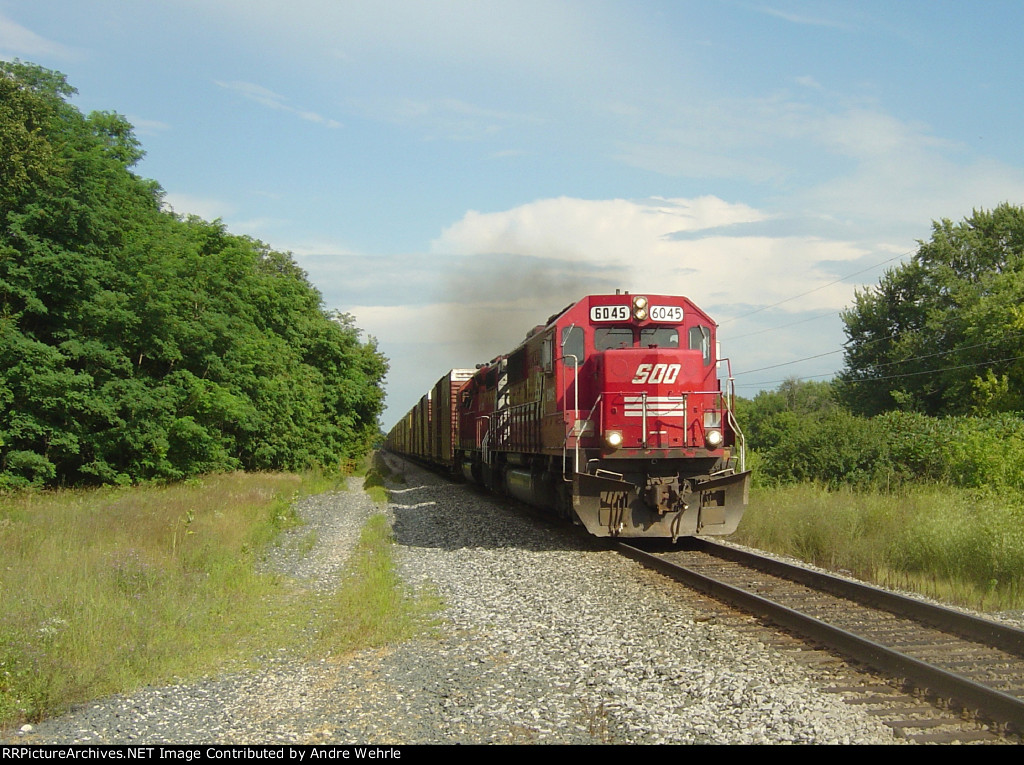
x=451, y=173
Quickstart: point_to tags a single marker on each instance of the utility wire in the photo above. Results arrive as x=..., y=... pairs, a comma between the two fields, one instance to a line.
x=816, y=289
x=889, y=377
x=888, y=363
x=783, y=326
x=867, y=343
x=788, y=363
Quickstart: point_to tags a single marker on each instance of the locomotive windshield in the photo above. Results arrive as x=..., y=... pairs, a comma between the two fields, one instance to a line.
x=606, y=338
x=613, y=337
x=659, y=337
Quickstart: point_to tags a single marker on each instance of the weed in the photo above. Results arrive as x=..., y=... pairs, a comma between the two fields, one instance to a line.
x=373, y=606
x=957, y=545
x=107, y=590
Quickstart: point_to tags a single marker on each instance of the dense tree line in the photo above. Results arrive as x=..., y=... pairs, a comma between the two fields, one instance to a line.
x=135, y=344
x=944, y=332
x=933, y=387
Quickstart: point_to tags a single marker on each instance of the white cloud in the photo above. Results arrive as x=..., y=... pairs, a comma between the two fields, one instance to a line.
x=851, y=162
x=915, y=187
x=148, y=127
x=444, y=118
x=322, y=248
x=868, y=134
x=808, y=81
x=272, y=100
x=595, y=231
x=803, y=19
x=697, y=247
x=17, y=41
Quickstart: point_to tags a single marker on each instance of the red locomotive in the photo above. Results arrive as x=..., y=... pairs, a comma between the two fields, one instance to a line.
x=611, y=414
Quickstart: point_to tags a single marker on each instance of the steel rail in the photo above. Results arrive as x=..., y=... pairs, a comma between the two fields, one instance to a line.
x=1003, y=636
x=999, y=706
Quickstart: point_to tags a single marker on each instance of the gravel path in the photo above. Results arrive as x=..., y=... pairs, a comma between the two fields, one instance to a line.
x=547, y=639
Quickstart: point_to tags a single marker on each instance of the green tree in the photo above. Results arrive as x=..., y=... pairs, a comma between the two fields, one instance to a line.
x=943, y=333
x=138, y=345
x=771, y=415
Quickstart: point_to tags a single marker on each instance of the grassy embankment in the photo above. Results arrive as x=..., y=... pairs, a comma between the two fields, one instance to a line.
x=103, y=591
x=959, y=546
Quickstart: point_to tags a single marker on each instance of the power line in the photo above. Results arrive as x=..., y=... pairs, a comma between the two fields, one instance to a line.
x=867, y=343
x=816, y=289
x=783, y=326
x=788, y=363
x=888, y=363
x=951, y=350
x=889, y=377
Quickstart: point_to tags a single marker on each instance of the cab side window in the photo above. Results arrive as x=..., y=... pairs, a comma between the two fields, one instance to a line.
x=700, y=340
x=572, y=346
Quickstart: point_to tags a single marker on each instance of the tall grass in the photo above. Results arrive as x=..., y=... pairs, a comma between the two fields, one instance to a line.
x=961, y=546
x=101, y=590
x=105, y=590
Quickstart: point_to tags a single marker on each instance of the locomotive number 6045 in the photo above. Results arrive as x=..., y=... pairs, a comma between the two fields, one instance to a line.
x=611, y=413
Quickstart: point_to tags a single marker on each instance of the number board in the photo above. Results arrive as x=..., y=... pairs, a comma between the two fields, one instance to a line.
x=609, y=313
x=666, y=313
x=673, y=313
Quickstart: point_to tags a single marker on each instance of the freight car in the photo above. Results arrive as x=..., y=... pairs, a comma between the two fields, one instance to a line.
x=611, y=414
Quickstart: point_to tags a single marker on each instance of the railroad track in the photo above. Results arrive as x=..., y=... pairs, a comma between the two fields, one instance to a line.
x=971, y=665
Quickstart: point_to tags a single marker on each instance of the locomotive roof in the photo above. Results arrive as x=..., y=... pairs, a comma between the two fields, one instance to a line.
x=556, y=316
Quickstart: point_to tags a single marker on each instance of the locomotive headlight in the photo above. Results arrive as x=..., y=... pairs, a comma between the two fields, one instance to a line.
x=613, y=438
x=640, y=307
x=713, y=438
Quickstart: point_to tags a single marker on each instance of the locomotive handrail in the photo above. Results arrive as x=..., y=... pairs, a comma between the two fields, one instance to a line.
x=730, y=408
x=740, y=438
x=511, y=413
x=730, y=384
x=575, y=408
x=576, y=448
x=643, y=415
x=590, y=415
x=515, y=416
x=485, y=438
x=573, y=431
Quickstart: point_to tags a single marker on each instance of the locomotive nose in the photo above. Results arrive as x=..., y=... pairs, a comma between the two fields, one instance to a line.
x=644, y=396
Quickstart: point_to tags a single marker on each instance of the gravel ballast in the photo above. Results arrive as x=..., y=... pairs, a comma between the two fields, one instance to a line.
x=546, y=637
